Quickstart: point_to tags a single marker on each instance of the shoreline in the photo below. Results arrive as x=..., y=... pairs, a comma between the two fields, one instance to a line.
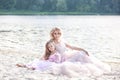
x=53, y=13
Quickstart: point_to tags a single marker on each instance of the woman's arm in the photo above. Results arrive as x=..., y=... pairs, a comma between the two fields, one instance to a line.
x=58, y=58
x=76, y=48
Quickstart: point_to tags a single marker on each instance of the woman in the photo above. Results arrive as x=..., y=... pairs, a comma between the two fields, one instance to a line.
x=80, y=58
x=61, y=45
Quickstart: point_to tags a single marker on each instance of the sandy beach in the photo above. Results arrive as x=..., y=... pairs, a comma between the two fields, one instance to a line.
x=22, y=40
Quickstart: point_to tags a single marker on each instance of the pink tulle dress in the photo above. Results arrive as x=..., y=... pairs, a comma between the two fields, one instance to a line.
x=44, y=65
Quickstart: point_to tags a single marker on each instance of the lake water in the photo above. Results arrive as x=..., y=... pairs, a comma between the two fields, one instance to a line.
x=100, y=35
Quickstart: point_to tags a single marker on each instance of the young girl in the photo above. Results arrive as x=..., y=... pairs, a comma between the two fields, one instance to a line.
x=51, y=54
x=51, y=57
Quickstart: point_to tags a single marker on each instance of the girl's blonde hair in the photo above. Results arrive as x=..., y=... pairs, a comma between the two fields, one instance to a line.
x=47, y=51
x=53, y=30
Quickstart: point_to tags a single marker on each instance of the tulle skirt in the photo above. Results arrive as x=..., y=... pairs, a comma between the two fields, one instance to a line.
x=41, y=65
x=81, y=64
x=77, y=65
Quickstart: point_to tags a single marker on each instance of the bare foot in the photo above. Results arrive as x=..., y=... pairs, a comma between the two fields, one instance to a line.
x=20, y=65
x=32, y=68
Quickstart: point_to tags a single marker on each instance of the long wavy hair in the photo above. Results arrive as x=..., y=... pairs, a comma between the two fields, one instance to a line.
x=47, y=51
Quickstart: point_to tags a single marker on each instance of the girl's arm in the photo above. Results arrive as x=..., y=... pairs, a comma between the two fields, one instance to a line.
x=76, y=48
x=55, y=58
x=58, y=58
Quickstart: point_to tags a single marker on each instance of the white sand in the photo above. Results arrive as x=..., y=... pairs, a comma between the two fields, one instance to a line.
x=23, y=40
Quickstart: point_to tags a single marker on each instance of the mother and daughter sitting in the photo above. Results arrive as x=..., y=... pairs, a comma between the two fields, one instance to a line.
x=58, y=60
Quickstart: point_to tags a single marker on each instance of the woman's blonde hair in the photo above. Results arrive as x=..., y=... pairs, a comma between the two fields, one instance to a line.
x=53, y=30
x=47, y=51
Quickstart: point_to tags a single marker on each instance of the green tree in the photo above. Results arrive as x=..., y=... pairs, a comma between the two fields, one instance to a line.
x=105, y=6
x=87, y=6
x=61, y=5
x=83, y=6
x=7, y=4
x=71, y=5
x=36, y=5
x=116, y=6
x=22, y=4
x=50, y=5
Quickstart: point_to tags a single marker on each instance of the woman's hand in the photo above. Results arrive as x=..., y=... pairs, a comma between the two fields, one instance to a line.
x=86, y=52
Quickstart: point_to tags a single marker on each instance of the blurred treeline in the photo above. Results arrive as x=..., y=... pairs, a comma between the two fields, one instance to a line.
x=88, y=6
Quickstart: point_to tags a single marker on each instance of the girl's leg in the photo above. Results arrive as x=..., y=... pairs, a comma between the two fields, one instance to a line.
x=21, y=65
x=24, y=66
